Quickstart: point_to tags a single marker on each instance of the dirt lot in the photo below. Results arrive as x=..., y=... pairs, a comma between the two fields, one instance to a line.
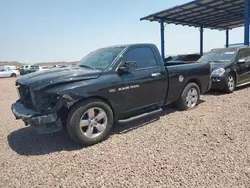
x=205, y=147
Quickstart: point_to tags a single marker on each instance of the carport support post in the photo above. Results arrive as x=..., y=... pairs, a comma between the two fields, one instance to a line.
x=162, y=40
x=201, y=40
x=227, y=38
x=246, y=21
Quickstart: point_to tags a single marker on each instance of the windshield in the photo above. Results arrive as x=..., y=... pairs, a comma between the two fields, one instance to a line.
x=100, y=59
x=223, y=55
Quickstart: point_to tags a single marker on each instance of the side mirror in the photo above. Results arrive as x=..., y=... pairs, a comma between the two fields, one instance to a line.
x=242, y=61
x=128, y=66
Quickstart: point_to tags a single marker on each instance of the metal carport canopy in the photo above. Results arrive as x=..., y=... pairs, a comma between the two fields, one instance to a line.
x=212, y=14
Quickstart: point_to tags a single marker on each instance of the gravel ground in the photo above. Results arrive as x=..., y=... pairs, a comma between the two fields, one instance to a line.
x=205, y=147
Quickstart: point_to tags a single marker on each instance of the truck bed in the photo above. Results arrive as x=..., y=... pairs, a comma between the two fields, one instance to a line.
x=181, y=74
x=173, y=63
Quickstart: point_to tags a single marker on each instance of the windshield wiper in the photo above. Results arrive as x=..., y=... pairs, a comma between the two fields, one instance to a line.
x=86, y=66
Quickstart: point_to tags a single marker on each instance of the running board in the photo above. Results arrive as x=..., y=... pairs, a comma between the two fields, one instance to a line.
x=141, y=116
x=242, y=84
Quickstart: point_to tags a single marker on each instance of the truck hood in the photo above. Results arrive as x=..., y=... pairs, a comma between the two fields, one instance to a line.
x=216, y=65
x=40, y=80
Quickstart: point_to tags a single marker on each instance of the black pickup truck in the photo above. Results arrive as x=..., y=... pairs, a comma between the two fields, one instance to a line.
x=230, y=67
x=118, y=83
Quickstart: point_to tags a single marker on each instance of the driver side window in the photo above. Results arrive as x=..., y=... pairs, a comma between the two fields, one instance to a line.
x=143, y=56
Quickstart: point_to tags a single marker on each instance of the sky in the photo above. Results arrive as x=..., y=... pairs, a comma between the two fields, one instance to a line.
x=67, y=30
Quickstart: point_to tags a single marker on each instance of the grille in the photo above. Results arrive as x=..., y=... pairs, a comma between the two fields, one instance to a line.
x=25, y=96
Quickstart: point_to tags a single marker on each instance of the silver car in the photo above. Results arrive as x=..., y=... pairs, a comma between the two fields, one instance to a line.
x=6, y=71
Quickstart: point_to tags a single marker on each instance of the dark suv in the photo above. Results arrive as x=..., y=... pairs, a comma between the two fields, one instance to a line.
x=230, y=67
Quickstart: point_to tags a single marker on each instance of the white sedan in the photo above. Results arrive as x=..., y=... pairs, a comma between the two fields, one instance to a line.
x=8, y=72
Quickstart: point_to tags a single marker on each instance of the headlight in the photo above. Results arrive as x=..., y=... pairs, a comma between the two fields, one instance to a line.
x=218, y=72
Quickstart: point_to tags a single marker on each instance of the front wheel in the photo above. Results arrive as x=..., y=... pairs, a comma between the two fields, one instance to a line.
x=90, y=122
x=230, y=86
x=189, y=97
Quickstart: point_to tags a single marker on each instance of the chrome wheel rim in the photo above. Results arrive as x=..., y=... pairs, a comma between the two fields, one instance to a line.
x=231, y=83
x=192, y=98
x=93, y=122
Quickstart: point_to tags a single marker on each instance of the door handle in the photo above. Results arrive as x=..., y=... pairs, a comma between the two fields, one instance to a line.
x=156, y=74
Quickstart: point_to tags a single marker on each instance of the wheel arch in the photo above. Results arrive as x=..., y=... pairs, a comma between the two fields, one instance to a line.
x=194, y=80
x=233, y=72
x=13, y=74
x=97, y=98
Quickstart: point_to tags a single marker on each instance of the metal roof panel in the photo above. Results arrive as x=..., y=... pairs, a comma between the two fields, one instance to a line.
x=213, y=14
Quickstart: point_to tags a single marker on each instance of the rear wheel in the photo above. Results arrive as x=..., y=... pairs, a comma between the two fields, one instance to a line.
x=230, y=87
x=90, y=122
x=13, y=75
x=189, y=98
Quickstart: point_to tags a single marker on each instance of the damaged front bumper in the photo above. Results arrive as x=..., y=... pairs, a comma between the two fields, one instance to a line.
x=44, y=124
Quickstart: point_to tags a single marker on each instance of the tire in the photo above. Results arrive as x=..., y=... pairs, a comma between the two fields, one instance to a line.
x=230, y=86
x=191, y=90
x=13, y=75
x=83, y=112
